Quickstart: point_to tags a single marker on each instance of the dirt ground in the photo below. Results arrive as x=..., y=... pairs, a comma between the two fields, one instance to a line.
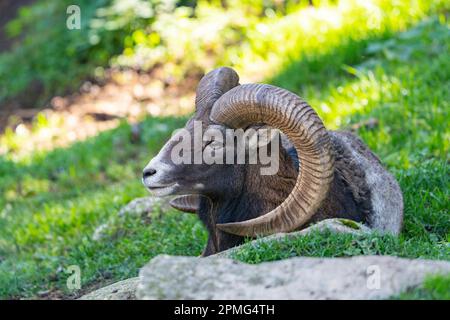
x=125, y=95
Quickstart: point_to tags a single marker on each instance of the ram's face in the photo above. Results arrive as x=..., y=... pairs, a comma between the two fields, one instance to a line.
x=221, y=99
x=211, y=159
x=184, y=165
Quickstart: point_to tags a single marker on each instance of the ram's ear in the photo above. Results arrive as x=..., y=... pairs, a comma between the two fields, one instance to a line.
x=189, y=203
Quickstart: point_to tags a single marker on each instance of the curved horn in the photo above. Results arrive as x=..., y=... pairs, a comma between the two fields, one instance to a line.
x=213, y=85
x=260, y=103
x=187, y=203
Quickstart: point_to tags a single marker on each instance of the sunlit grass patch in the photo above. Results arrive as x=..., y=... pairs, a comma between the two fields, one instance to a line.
x=388, y=87
x=334, y=31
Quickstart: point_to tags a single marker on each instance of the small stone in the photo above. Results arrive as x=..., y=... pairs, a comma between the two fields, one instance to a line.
x=143, y=206
x=43, y=293
x=100, y=232
x=139, y=208
x=122, y=290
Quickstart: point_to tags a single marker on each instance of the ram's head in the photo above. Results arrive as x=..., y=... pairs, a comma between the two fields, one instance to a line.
x=221, y=104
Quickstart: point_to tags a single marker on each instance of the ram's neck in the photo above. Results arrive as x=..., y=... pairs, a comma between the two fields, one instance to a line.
x=241, y=208
x=259, y=195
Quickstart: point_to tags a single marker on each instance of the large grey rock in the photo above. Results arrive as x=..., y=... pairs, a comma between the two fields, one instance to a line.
x=122, y=290
x=363, y=277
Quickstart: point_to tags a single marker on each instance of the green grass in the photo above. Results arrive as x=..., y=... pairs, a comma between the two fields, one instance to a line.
x=55, y=60
x=52, y=202
x=329, y=244
x=434, y=288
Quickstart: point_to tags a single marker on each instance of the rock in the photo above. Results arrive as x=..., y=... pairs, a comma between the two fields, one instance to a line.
x=43, y=293
x=141, y=207
x=362, y=277
x=334, y=225
x=100, y=232
x=122, y=290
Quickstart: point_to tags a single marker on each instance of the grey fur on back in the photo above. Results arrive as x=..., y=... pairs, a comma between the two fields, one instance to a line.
x=386, y=200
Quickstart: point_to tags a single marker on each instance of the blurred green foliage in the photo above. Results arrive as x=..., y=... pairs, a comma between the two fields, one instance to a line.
x=52, y=59
x=256, y=37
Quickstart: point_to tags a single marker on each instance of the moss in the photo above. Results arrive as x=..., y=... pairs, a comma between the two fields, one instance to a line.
x=349, y=223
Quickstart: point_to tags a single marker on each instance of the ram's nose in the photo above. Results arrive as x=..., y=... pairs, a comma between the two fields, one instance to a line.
x=147, y=173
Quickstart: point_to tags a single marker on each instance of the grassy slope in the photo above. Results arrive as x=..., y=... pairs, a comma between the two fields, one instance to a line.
x=49, y=217
x=53, y=202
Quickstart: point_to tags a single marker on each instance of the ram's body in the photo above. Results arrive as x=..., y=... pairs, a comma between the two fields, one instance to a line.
x=233, y=199
x=362, y=190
